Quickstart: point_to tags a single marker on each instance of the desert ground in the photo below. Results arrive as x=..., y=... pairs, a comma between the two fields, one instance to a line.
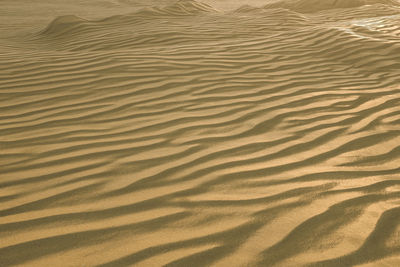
x=200, y=133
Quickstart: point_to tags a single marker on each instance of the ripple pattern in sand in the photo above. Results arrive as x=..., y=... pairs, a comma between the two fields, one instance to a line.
x=183, y=136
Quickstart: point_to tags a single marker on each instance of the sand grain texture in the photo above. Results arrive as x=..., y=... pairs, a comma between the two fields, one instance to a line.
x=182, y=133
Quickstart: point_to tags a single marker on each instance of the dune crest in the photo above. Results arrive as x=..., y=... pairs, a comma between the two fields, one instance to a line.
x=63, y=24
x=309, y=6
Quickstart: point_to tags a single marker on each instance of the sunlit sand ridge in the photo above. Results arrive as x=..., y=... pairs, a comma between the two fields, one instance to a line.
x=189, y=134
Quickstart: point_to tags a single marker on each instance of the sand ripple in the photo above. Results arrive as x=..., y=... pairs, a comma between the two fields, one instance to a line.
x=187, y=136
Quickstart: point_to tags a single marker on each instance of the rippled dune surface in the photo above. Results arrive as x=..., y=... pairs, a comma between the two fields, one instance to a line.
x=180, y=133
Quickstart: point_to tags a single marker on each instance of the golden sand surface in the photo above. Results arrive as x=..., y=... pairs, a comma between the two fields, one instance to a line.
x=214, y=133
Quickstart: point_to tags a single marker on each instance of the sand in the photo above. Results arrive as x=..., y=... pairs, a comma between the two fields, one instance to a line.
x=182, y=133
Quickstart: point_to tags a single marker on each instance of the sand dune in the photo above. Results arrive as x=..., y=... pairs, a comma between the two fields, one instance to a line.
x=182, y=134
x=309, y=6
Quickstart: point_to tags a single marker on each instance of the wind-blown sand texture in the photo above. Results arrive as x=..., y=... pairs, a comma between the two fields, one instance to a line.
x=182, y=133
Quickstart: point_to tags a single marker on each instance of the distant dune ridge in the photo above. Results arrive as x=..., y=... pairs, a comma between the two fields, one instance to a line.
x=186, y=133
x=308, y=6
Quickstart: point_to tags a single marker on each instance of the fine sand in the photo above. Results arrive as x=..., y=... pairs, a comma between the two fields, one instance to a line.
x=180, y=133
